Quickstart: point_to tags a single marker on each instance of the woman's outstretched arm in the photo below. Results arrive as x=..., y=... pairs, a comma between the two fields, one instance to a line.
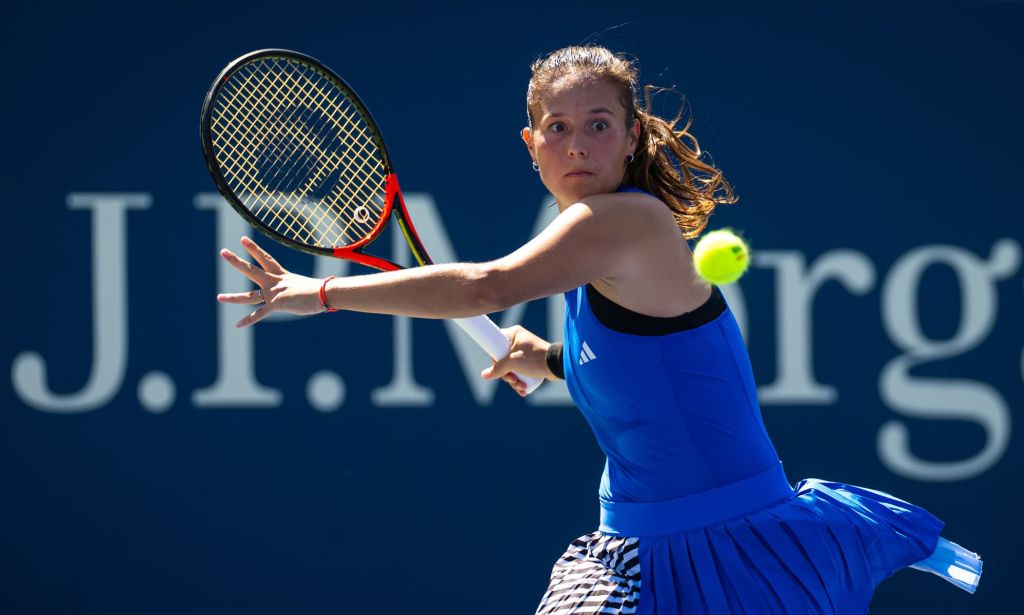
x=588, y=240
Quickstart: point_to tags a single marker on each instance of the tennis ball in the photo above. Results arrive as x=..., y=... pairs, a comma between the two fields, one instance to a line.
x=721, y=257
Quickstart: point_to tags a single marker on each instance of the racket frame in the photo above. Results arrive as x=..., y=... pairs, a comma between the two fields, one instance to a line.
x=394, y=203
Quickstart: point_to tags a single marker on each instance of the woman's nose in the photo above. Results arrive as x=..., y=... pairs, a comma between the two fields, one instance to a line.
x=577, y=149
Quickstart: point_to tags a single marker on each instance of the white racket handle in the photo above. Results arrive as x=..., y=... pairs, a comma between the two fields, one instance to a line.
x=488, y=336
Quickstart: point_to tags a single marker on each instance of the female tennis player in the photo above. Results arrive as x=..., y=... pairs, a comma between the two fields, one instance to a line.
x=697, y=515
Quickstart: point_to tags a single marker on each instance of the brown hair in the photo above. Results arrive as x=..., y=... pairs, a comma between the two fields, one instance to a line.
x=667, y=162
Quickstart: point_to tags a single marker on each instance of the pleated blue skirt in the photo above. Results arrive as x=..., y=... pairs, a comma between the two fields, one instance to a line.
x=821, y=547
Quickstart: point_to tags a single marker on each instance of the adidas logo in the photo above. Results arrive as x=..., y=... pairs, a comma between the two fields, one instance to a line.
x=586, y=354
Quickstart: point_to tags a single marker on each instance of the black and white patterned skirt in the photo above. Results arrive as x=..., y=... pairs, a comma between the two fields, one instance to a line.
x=598, y=573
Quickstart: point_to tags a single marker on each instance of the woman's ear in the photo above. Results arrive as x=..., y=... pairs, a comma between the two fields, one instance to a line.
x=527, y=136
x=634, y=135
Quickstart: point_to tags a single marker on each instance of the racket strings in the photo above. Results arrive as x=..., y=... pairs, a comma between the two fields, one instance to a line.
x=242, y=116
x=349, y=123
x=277, y=88
x=362, y=172
x=297, y=152
x=261, y=200
x=310, y=181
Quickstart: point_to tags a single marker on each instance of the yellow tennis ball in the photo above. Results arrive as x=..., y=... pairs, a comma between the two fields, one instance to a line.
x=721, y=257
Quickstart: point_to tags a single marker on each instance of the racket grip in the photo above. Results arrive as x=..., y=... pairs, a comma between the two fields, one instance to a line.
x=488, y=336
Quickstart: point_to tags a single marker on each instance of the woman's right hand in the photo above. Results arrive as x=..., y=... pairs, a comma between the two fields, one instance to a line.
x=526, y=357
x=278, y=290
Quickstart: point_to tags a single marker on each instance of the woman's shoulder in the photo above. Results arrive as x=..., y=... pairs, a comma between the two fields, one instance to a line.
x=663, y=290
x=634, y=204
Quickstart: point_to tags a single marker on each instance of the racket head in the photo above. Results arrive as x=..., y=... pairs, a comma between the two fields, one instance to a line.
x=293, y=149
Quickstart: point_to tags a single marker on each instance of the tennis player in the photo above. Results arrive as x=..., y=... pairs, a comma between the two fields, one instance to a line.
x=697, y=514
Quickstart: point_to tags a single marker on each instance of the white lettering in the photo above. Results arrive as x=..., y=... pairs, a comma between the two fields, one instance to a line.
x=109, y=313
x=236, y=384
x=795, y=289
x=942, y=399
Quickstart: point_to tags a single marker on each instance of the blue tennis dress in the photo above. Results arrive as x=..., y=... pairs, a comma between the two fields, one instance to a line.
x=697, y=515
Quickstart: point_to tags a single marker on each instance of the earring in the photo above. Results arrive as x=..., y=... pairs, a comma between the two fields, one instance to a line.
x=536, y=167
x=629, y=159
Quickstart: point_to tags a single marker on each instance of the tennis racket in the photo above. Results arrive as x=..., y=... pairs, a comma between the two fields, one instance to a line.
x=296, y=152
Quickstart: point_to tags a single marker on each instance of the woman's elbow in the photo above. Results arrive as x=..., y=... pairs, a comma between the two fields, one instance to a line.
x=492, y=290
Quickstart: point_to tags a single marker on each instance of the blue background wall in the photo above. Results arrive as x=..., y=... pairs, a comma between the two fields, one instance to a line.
x=154, y=460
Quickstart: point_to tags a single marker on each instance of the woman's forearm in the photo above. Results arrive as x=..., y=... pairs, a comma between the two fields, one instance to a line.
x=454, y=290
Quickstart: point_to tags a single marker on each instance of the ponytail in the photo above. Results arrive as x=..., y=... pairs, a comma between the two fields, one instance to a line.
x=667, y=164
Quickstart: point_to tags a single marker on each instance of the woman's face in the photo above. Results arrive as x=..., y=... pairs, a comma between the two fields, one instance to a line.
x=581, y=140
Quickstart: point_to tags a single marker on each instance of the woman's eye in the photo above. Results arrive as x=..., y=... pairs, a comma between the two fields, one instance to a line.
x=600, y=125
x=557, y=127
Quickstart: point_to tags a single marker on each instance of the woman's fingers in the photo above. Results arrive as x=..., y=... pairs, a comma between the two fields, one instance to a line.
x=517, y=385
x=498, y=369
x=502, y=369
x=255, y=317
x=254, y=273
x=265, y=275
x=253, y=297
x=262, y=257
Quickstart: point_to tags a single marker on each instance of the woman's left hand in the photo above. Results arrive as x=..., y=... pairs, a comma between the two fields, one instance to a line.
x=279, y=289
x=527, y=356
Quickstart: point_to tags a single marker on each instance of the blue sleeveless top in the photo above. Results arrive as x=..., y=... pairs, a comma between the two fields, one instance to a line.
x=675, y=414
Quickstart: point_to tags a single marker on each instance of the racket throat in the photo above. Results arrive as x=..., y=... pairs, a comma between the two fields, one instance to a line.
x=356, y=256
x=396, y=203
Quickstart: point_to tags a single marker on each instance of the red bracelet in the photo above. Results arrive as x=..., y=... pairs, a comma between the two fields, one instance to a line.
x=323, y=295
